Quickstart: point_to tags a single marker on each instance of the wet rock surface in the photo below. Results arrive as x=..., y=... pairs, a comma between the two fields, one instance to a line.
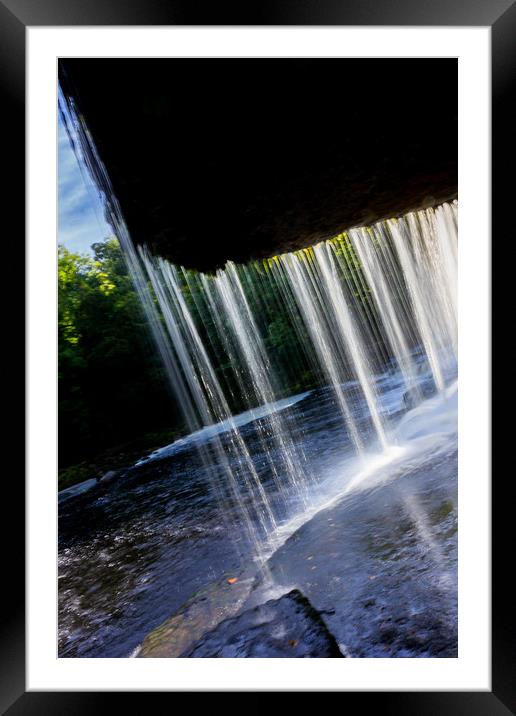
x=381, y=565
x=373, y=575
x=288, y=627
x=200, y=614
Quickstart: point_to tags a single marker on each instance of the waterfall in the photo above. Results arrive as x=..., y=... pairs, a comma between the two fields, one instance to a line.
x=371, y=301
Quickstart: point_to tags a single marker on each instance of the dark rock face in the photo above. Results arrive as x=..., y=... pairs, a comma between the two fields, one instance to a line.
x=381, y=565
x=217, y=159
x=288, y=627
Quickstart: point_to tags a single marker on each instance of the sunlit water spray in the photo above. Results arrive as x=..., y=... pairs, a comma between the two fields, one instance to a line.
x=424, y=433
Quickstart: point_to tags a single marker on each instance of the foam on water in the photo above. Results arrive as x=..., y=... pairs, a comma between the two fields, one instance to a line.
x=236, y=421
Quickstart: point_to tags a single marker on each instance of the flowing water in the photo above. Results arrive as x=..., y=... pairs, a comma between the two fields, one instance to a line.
x=374, y=319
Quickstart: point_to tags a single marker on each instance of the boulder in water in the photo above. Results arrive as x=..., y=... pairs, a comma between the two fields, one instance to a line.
x=288, y=627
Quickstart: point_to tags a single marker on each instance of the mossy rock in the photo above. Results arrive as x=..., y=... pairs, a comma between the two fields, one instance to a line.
x=214, y=603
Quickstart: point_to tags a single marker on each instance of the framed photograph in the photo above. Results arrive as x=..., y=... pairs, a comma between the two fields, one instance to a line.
x=258, y=254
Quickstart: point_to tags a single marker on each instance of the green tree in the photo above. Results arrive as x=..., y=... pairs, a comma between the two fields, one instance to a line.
x=111, y=387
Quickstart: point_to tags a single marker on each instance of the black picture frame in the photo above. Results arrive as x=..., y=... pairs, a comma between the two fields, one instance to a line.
x=15, y=17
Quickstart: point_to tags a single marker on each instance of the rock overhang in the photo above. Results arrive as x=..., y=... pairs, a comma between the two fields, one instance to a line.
x=234, y=159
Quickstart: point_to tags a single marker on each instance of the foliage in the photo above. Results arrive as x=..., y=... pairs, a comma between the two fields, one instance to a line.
x=111, y=387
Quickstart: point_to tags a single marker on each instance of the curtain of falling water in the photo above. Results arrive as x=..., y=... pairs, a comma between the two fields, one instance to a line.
x=369, y=300
x=426, y=249
x=307, y=295
x=253, y=354
x=245, y=505
x=357, y=303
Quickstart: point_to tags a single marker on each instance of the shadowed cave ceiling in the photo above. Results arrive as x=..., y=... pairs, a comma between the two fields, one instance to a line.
x=233, y=159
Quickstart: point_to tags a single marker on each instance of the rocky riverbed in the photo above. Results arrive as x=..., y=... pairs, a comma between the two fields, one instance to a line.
x=147, y=567
x=374, y=575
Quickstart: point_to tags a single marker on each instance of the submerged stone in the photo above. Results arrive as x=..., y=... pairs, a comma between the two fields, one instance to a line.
x=288, y=627
x=201, y=613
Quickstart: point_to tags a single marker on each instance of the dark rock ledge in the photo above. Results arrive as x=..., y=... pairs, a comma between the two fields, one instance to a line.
x=223, y=159
x=210, y=625
x=288, y=627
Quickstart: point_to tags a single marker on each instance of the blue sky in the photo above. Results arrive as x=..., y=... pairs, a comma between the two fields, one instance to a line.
x=80, y=213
